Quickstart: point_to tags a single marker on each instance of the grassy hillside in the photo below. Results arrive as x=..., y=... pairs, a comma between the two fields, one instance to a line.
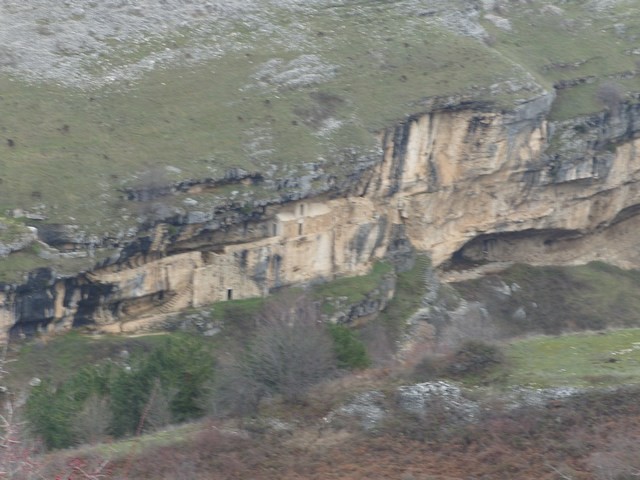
x=590, y=41
x=610, y=358
x=282, y=89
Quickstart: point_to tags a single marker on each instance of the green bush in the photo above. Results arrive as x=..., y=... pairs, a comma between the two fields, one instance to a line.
x=51, y=410
x=50, y=415
x=176, y=372
x=350, y=351
x=181, y=367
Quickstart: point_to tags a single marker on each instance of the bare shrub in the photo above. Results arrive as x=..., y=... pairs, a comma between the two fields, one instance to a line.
x=92, y=422
x=234, y=391
x=475, y=357
x=621, y=461
x=610, y=95
x=291, y=351
x=429, y=367
x=159, y=410
x=211, y=453
x=379, y=344
x=74, y=466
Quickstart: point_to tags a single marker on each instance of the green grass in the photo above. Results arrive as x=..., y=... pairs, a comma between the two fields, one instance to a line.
x=11, y=229
x=577, y=44
x=598, y=359
x=13, y=266
x=127, y=448
x=410, y=287
x=75, y=149
x=59, y=357
x=350, y=290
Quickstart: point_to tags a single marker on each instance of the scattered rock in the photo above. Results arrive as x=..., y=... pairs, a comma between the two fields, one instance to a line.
x=16, y=238
x=519, y=314
x=34, y=382
x=304, y=71
x=503, y=288
x=465, y=24
x=367, y=408
x=212, y=332
x=500, y=22
x=620, y=29
x=488, y=5
x=539, y=397
x=552, y=10
x=420, y=398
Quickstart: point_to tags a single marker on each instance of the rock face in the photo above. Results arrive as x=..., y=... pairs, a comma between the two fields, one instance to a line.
x=463, y=182
x=420, y=398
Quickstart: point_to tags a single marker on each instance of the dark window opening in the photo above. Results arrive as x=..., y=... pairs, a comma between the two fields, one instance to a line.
x=488, y=245
x=230, y=294
x=299, y=229
x=301, y=209
x=275, y=229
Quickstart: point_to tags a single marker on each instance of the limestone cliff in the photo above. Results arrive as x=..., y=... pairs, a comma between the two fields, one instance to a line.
x=465, y=182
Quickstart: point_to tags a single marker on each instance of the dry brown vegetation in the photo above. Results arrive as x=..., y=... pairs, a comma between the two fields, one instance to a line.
x=592, y=436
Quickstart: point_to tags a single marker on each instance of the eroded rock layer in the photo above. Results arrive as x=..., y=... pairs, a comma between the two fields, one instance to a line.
x=461, y=183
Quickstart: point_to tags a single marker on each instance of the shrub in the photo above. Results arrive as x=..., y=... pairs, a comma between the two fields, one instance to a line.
x=51, y=411
x=91, y=424
x=181, y=368
x=50, y=415
x=350, y=351
x=167, y=384
x=428, y=368
x=475, y=357
x=290, y=352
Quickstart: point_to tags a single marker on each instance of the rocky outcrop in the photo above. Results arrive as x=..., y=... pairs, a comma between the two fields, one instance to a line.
x=467, y=182
x=14, y=238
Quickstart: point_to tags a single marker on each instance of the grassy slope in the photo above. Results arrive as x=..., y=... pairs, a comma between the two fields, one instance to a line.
x=605, y=359
x=73, y=149
x=205, y=118
x=349, y=291
x=559, y=299
x=579, y=43
x=58, y=358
